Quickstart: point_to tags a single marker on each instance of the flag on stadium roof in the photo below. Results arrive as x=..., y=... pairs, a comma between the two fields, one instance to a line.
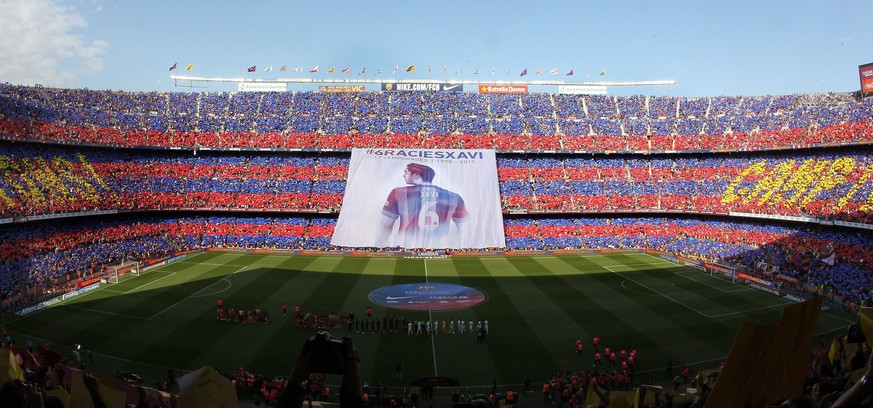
x=174, y=66
x=189, y=67
x=603, y=73
x=298, y=69
x=314, y=69
x=363, y=71
x=445, y=68
x=540, y=71
x=268, y=69
x=253, y=68
x=346, y=70
x=410, y=68
x=554, y=71
x=429, y=69
x=332, y=70
x=476, y=72
x=283, y=68
x=379, y=71
x=524, y=72
x=396, y=67
x=493, y=71
x=570, y=73
x=459, y=71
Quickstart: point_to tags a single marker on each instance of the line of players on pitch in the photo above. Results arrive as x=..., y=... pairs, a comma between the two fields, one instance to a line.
x=427, y=327
x=420, y=327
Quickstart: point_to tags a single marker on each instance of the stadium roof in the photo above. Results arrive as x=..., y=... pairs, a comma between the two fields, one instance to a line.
x=355, y=81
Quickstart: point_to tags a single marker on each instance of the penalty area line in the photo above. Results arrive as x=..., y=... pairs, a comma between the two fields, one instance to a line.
x=193, y=294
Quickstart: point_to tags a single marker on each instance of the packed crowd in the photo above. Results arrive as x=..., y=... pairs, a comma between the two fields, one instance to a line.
x=38, y=259
x=40, y=179
x=535, y=121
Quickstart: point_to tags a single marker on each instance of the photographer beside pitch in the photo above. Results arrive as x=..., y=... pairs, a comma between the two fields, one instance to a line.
x=325, y=354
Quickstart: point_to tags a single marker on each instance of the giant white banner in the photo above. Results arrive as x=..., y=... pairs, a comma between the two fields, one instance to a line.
x=421, y=198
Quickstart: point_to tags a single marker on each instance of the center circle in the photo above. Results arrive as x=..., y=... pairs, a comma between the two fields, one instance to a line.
x=427, y=296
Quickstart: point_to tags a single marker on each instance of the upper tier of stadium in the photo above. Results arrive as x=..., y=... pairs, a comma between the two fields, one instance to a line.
x=514, y=122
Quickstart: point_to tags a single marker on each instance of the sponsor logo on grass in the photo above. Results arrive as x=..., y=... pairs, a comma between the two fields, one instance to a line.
x=427, y=296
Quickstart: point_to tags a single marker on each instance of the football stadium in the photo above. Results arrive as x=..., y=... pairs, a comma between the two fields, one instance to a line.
x=408, y=238
x=598, y=244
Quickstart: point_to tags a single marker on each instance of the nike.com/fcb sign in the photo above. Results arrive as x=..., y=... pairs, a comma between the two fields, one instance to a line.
x=427, y=296
x=422, y=86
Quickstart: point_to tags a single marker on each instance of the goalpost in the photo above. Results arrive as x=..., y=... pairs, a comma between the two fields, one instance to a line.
x=116, y=271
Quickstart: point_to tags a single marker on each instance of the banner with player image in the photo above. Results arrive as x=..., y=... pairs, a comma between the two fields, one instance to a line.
x=421, y=198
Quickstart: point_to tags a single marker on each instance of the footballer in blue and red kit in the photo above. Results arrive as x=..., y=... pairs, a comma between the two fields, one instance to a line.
x=425, y=211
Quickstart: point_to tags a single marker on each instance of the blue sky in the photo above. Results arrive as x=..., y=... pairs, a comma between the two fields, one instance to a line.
x=709, y=48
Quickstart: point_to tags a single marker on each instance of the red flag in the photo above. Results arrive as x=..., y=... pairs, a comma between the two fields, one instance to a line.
x=570, y=73
x=346, y=70
x=523, y=73
x=314, y=69
x=174, y=66
x=253, y=68
x=283, y=68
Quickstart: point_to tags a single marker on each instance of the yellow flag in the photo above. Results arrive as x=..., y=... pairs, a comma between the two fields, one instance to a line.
x=834, y=350
x=621, y=399
x=640, y=400
x=759, y=352
x=189, y=67
x=592, y=398
x=9, y=368
x=866, y=314
x=332, y=69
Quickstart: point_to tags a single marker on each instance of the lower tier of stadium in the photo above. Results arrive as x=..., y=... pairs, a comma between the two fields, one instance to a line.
x=41, y=258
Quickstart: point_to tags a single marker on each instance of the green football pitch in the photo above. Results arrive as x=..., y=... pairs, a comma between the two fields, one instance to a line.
x=536, y=306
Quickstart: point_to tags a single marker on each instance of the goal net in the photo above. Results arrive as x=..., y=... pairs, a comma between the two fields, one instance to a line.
x=113, y=273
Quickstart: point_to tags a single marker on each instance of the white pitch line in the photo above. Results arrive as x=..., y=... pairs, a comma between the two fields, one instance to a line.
x=148, y=283
x=192, y=295
x=430, y=318
x=87, y=309
x=682, y=275
x=691, y=308
x=204, y=263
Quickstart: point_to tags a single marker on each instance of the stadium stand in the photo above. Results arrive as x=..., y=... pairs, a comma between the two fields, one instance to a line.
x=140, y=175
x=305, y=120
